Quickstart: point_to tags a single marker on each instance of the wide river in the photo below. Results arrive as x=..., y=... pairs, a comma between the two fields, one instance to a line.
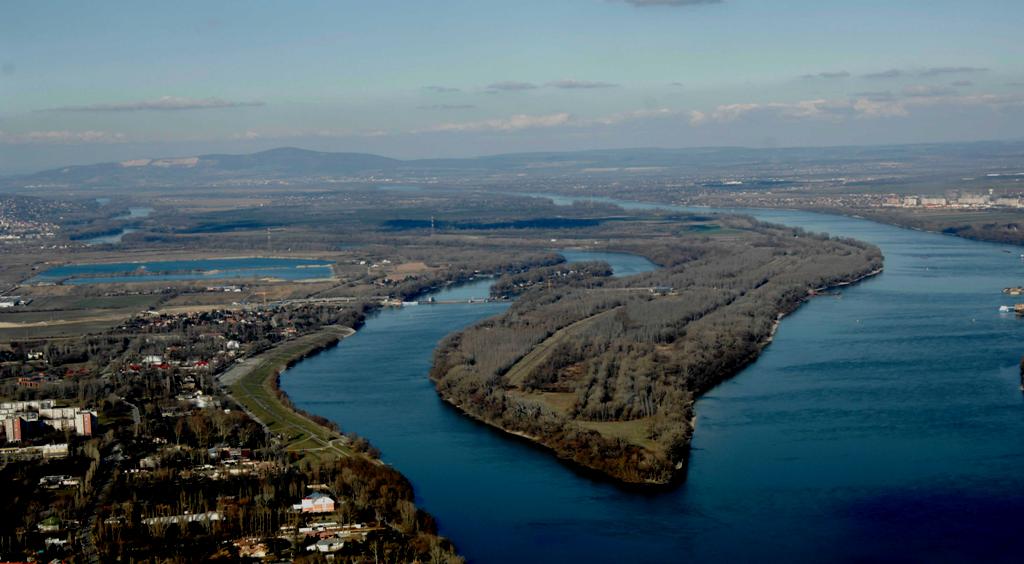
x=884, y=424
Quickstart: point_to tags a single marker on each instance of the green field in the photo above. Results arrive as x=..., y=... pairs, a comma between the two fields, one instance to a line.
x=135, y=302
x=70, y=316
x=252, y=385
x=517, y=375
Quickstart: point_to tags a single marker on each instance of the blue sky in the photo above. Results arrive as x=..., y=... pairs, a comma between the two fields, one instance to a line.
x=84, y=81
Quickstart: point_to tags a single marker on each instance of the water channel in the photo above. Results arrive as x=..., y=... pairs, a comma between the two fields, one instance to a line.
x=882, y=424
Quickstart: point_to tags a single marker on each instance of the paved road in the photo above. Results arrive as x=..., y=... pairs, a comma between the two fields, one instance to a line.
x=86, y=538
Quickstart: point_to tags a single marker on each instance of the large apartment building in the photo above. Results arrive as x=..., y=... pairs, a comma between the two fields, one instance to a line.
x=22, y=419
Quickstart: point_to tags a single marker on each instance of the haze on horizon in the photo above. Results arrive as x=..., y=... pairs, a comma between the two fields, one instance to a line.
x=85, y=82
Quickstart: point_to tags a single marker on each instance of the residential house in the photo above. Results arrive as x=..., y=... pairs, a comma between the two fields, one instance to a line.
x=315, y=502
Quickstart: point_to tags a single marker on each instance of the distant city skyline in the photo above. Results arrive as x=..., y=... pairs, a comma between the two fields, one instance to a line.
x=83, y=82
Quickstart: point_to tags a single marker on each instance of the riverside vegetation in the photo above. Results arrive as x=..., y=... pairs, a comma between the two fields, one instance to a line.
x=602, y=369
x=605, y=371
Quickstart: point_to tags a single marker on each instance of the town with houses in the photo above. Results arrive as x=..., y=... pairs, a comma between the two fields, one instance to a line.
x=104, y=432
x=956, y=201
x=30, y=219
x=121, y=440
x=23, y=419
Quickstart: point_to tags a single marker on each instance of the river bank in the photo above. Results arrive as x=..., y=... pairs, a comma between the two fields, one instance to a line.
x=610, y=385
x=1000, y=226
x=254, y=384
x=873, y=423
x=319, y=450
x=1005, y=227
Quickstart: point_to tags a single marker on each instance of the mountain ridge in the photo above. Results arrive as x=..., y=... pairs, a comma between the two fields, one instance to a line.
x=293, y=162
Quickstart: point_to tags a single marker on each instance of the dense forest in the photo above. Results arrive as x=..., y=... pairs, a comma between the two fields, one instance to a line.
x=604, y=370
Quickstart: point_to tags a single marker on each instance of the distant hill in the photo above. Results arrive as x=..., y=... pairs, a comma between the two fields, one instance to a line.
x=275, y=163
x=288, y=162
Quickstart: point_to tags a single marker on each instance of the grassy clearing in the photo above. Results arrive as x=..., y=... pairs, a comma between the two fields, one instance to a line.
x=634, y=431
x=70, y=316
x=252, y=385
x=73, y=301
x=526, y=365
x=45, y=330
x=561, y=402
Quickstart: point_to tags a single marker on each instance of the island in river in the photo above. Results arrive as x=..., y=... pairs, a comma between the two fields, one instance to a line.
x=604, y=371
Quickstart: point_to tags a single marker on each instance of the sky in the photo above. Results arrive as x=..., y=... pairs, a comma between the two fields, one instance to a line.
x=83, y=82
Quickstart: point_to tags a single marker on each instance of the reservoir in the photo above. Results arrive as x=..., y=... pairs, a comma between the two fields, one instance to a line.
x=885, y=423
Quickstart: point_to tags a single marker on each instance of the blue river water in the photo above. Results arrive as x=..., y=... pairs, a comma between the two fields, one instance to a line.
x=136, y=213
x=117, y=237
x=882, y=424
x=201, y=269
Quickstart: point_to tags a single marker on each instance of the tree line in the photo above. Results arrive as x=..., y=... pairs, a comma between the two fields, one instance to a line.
x=622, y=355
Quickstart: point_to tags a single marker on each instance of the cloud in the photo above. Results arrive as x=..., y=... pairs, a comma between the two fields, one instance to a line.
x=818, y=109
x=804, y=109
x=165, y=103
x=891, y=73
x=61, y=137
x=570, y=84
x=252, y=134
x=936, y=71
x=835, y=74
x=962, y=83
x=631, y=116
x=565, y=84
x=993, y=101
x=510, y=86
x=876, y=108
x=876, y=95
x=926, y=91
x=650, y=3
x=861, y=106
x=513, y=123
x=562, y=119
x=447, y=107
x=442, y=89
x=926, y=73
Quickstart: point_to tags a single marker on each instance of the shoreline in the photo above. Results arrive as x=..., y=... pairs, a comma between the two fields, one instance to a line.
x=744, y=210
x=573, y=465
x=253, y=385
x=816, y=292
x=678, y=474
x=268, y=373
x=858, y=214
